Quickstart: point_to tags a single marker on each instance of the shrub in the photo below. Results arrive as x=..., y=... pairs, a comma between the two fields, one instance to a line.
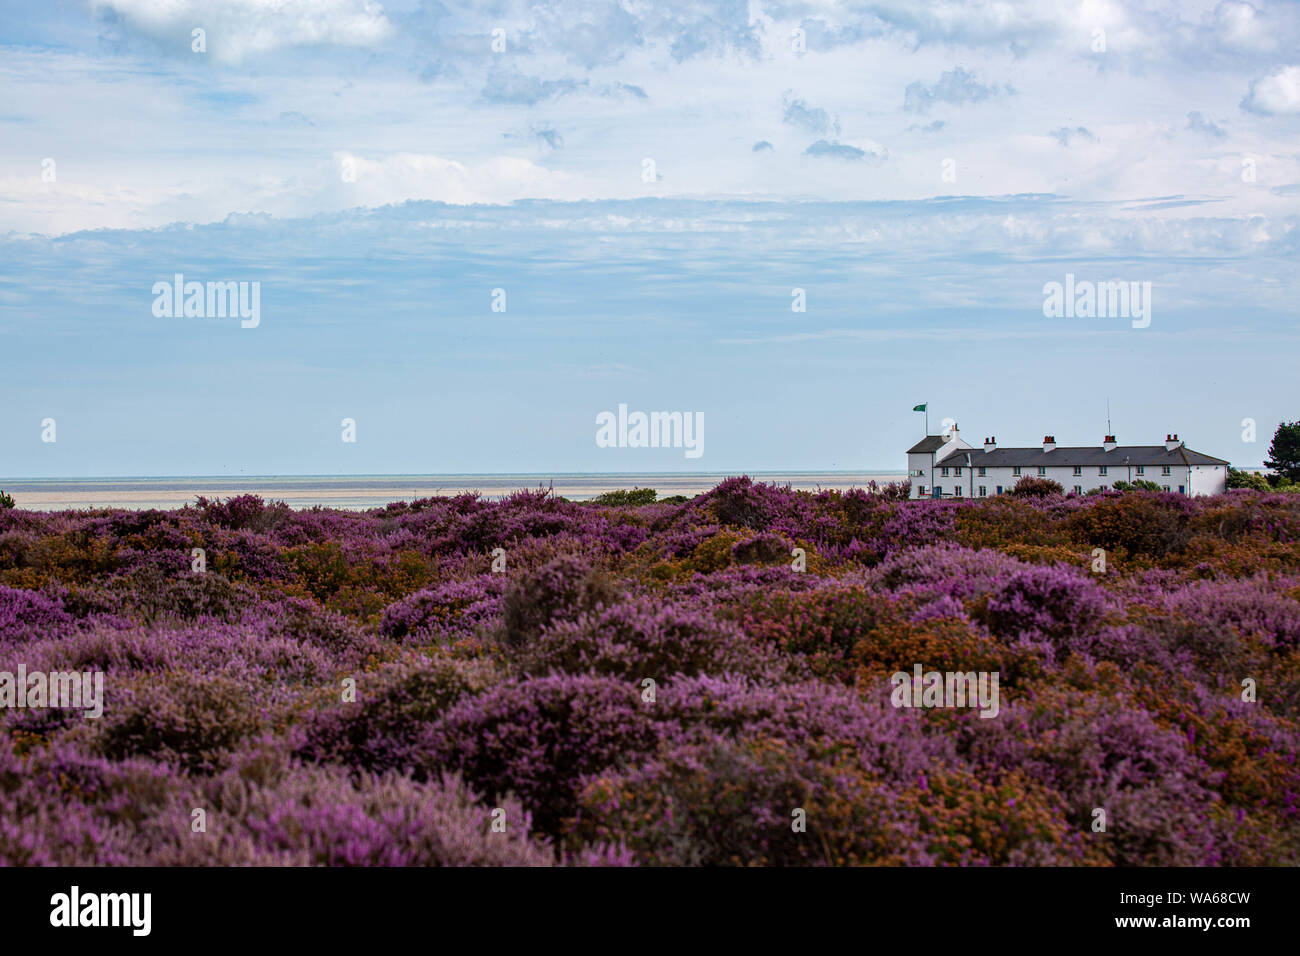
x=1098, y=753
x=741, y=503
x=623, y=497
x=1138, y=484
x=938, y=643
x=457, y=607
x=821, y=627
x=321, y=817
x=536, y=738
x=153, y=595
x=762, y=549
x=732, y=803
x=637, y=639
x=1140, y=524
x=1248, y=479
x=188, y=718
x=25, y=615
x=1031, y=486
x=244, y=511
x=1052, y=602
x=560, y=590
x=394, y=707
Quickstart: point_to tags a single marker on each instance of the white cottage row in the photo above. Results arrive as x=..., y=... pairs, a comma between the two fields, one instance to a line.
x=945, y=466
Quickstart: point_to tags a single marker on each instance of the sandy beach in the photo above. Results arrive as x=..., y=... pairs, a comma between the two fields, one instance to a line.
x=374, y=491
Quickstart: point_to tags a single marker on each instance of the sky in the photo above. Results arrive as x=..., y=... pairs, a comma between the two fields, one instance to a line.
x=475, y=228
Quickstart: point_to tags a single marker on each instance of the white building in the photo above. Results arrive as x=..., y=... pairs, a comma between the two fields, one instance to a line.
x=944, y=466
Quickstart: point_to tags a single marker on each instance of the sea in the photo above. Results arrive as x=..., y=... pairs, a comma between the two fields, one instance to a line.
x=360, y=492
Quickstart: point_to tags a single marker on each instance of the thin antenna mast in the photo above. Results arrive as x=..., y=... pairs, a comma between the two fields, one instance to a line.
x=1108, y=431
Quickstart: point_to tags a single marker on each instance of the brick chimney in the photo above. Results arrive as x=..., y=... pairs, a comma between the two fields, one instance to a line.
x=1049, y=443
x=1108, y=443
x=990, y=444
x=1172, y=442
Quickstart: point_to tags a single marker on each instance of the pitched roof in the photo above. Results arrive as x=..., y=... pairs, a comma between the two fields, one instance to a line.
x=928, y=444
x=1121, y=456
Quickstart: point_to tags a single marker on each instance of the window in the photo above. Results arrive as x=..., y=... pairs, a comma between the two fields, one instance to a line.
x=1078, y=469
x=957, y=471
x=1102, y=470
x=1164, y=469
x=957, y=492
x=983, y=491
x=1015, y=472
x=983, y=472
x=1078, y=490
x=1141, y=469
x=920, y=492
x=1042, y=469
x=1165, y=487
x=943, y=472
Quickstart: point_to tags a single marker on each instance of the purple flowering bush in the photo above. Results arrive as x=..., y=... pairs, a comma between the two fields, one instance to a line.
x=536, y=682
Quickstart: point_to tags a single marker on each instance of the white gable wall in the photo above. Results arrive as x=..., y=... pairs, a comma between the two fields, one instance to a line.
x=1209, y=479
x=920, y=472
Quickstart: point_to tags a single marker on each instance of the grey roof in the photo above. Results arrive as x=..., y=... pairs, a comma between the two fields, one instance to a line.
x=1119, y=457
x=928, y=444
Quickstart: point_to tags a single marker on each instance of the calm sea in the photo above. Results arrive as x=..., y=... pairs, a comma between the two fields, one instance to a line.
x=374, y=491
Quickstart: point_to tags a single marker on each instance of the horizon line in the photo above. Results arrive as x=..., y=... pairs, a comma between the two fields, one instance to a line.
x=727, y=473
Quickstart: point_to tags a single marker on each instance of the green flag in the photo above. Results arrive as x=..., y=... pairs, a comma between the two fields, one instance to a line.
x=919, y=408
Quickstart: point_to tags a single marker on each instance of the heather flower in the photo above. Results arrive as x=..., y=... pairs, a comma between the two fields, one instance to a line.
x=457, y=607
x=25, y=615
x=640, y=638
x=1046, y=601
x=522, y=692
x=381, y=729
x=535, y=738
x=562, y=589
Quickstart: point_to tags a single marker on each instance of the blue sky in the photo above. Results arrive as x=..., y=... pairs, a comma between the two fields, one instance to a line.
x=379, y=169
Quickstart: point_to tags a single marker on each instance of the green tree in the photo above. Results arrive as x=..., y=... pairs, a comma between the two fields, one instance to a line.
x=1247, y=479
x=6, y=501
x=1284, y=452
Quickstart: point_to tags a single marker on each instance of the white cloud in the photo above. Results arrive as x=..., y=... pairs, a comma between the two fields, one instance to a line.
x=237, y=28
x=1277, y=93
x=403, y=176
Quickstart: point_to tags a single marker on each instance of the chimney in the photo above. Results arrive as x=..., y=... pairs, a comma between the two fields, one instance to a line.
x=1049, y=443
x=990, y=444
x=1108, y=443
x=1172, y=442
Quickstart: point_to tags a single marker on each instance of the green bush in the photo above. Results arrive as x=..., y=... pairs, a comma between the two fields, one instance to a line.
x=1248, y=479
x=1140, y=484
x=6, y=501
x=628, y=496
